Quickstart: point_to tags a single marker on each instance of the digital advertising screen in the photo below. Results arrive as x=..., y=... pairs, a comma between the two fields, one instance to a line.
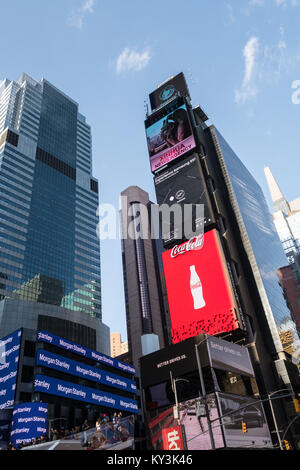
x=61, y=388
x=194, y=427
x=95, y=374
x=229, y=356
x=46, y=337
x=29, y=422
x=236, y=409
x=179, y=359
x=168, y=90
x=173, y=438
x=183, y=183
x=169, y=136
x=9, y=361
x=199, y=288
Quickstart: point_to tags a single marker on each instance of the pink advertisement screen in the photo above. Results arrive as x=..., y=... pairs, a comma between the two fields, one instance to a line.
x=169, y=137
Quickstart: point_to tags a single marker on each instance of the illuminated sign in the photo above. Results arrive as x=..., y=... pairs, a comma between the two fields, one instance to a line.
x=29, y=422
x=168, y=90
x=63, y=364
x=199, y=289
x=63, y=343
x=183, y=183
x=73, y=391
x=9, y=360
x=173, y=438
x=169, y=136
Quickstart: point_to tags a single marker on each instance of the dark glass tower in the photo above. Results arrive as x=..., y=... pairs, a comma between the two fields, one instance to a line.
x=49, y=251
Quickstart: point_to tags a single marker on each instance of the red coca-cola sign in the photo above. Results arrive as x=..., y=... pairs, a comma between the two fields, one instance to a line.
x=199, y=288
x=193, y=244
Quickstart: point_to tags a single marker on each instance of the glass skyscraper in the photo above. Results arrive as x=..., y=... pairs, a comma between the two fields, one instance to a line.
x=49, y=248
x=286, y=218
x=260, y=240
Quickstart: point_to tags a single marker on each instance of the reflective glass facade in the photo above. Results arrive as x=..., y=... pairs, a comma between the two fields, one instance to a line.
x=49, y=249
x=260, y=239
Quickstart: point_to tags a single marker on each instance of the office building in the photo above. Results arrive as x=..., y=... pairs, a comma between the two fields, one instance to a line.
x=238, y=255
x=147, y=328
x=49, y=251
x=286, y=217
x=73, y=382
x=117, y=346
x=290, y=283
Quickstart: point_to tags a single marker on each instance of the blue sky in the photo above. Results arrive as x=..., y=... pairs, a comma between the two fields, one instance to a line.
x=240, y=58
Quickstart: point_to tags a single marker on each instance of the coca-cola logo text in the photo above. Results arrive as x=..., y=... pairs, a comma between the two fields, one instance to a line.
x=193, y=244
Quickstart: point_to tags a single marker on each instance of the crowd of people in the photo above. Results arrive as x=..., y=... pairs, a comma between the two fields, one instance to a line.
x=109, y=429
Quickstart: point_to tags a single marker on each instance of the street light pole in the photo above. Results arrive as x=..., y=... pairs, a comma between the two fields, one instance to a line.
x=173, y=384
x=203, y=391
x=273, y=414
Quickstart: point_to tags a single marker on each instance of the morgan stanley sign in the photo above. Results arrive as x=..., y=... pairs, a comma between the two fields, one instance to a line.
x=73, y=391
x=29, y=422
x=45, y=337
x=9, y=360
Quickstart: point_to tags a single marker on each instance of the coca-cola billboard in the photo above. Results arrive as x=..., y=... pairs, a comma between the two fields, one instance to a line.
x=199, y=288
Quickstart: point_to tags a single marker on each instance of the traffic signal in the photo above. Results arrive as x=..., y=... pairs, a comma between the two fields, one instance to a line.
x=244, y=426
x=297, y=405
x=287, y=445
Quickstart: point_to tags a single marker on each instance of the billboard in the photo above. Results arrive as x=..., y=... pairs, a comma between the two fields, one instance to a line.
x=169, y=135
x=68, y=366
x=229, y=356
x=196, y=430
x=169, y=90
x=68, y=345
x=236, y=409
x=178, y=358
x=183, y=183
x=73, y=391
x=9, y=360
x=173, y=438
x=196, y=427
x=29, y=422
x=199, y=288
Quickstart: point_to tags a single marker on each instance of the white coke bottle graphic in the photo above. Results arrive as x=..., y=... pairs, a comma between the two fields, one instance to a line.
x=196, y=289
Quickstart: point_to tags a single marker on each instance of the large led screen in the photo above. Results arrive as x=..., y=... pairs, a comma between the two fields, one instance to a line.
x=169, y=136
x=236, y=409
x=58, y=387
x=196, y=430
x=95, y=374
x=46, y=337
x=199, y=289
x=168, y=90
x=183, y=183
x=9, y=360
x=29, y=422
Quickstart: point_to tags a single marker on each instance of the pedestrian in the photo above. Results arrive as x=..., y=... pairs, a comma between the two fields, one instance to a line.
x=85, y=425
x=98, y=424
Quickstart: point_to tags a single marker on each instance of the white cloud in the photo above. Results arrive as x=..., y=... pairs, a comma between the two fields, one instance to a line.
x=248, y=88
x=265, y=64
x=131, y=60
x=77, y=16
